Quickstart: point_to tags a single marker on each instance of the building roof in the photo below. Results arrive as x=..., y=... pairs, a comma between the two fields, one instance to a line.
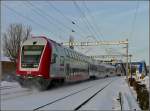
x=4, y=58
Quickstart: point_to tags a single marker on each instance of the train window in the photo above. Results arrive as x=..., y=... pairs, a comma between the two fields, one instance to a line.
x=54, y=56
x=81, y=58
x=31, y=55
x=77, y=56
x=71, y=54
x=62, y=60
x=74, y=55
x=67, y=52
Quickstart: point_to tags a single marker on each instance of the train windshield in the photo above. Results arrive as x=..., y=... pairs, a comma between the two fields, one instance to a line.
x=31, y=55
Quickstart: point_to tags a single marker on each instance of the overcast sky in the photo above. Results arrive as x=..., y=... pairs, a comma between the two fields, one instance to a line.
x=94, y=20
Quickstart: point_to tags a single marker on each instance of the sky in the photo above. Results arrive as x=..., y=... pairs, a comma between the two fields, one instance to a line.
x=94, y=20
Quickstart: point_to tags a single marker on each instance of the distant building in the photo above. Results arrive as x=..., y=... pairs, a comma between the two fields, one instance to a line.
x=7, y=67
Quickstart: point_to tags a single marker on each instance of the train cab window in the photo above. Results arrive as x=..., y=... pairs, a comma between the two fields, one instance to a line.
x=54, y=56
x=31, y=55
x=62, y=60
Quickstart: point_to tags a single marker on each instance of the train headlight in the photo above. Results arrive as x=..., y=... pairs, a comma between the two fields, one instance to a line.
x=39, y=75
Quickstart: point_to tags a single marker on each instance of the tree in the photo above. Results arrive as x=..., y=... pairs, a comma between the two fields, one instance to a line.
x=12, y=39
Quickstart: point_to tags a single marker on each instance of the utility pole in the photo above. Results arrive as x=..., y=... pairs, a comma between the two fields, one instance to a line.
x=130, y=66
x=127, y=59
x=71, y=40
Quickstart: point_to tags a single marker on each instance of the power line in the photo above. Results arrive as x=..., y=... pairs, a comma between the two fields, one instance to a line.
x=38, y=13
x=54, y=19
x=92, y=18
x=86, y=22
x=27, y=18
x=95, y=25
x=60, y=12
x=134, y=20
x=51, y=17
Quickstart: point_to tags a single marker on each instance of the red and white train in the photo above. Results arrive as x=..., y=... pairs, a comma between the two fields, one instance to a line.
x=42, y=61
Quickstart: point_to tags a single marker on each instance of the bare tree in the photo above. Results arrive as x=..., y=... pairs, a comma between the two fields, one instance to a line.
x=12, y=39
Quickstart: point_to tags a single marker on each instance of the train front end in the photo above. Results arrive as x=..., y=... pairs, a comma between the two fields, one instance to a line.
x=33, y=64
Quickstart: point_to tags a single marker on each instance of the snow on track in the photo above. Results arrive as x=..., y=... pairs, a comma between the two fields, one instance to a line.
x=105, y=99
x=72, y=102
x=71, y=97
x=33, y=101
x=12, y=90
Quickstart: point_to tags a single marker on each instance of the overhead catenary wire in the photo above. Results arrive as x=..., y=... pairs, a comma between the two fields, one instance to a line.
x=54, y=19
x=134, y=20
x=67, y=18
x=96, y=26
x=90, y=29
x=27, y=18
x=92, y=18
x=88, y=24
x=44, y=17
x=98, y=33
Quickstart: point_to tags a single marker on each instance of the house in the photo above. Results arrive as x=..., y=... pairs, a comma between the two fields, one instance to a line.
x=8, y=67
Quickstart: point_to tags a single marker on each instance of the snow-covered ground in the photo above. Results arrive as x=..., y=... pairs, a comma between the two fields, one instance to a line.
x=107, y=99
x=59, y=99
x=146, y=82
x=10, y=90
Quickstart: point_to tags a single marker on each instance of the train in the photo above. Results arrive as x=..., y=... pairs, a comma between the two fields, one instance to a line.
x=42, y=62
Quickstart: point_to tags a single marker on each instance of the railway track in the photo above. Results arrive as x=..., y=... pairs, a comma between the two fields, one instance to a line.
x=62, y=98
x=72, y=94
x=86, y=101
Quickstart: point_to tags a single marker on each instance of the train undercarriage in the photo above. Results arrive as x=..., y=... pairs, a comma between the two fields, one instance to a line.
x=38, y=82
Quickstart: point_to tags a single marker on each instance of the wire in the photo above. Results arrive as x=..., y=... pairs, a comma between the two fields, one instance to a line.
x=89, y=27
x=45, y=17
x=134, y=20
x=27, y=18
x=60, y=12
x=92, y=18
